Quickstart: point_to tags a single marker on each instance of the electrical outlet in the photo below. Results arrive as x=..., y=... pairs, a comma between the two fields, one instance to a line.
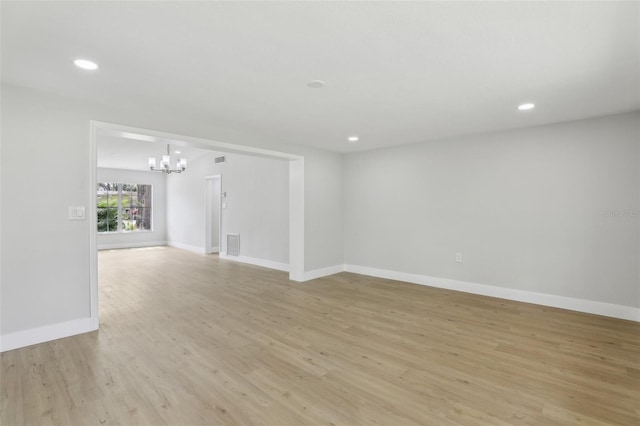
x=458, y=257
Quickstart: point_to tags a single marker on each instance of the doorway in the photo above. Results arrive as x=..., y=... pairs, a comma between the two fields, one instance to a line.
x=213, y=216
x=296, y=193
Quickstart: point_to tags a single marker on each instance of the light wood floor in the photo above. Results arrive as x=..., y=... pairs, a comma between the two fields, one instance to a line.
x=190, y=339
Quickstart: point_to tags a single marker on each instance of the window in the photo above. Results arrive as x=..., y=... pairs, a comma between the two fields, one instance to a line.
x=123, y=207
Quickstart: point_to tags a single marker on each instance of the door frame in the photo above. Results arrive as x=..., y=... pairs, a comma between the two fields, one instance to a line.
x=296, y=193
x=209, y=246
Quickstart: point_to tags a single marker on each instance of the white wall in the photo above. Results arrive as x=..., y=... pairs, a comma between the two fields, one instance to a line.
x=158, y=234
x=527, y=208
x=257, y=206
x=186, y=205
x=324, y=179
x=45, y=273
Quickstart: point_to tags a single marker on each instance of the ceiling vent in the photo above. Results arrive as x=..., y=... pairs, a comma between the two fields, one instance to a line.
x=222, y=159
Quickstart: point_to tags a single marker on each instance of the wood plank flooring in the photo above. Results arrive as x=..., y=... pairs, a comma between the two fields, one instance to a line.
x=187, y=339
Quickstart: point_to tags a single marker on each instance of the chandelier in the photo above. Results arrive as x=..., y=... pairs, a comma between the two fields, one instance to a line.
x=181, y=164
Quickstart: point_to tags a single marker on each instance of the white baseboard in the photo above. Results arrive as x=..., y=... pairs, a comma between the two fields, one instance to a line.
x=580, y=305
x=32, y=336
x=131, y=245
x=323, y=272
x=194, y=249
x=213, y=250
x=258, y=262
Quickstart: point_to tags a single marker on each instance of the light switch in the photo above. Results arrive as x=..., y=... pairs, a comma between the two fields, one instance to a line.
x=76, y=213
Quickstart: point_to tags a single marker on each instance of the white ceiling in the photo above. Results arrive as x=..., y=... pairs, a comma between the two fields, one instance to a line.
x=118, y=151
x=395, y=72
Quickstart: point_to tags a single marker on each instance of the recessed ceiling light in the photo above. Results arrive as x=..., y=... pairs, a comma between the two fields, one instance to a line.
x=526, y=107
x=316, y=84
x=353, y=139
x=176, y=152
x=85, y=64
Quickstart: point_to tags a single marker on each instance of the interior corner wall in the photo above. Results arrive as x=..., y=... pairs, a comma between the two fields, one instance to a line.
x=551, y=209
x=186, y=205
x=158, y=233
x=324, y=245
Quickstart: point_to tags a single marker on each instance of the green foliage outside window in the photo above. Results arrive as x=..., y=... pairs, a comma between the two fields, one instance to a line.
x=123, y=207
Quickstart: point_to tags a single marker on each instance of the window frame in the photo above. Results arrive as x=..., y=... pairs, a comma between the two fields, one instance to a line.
x=119, y=208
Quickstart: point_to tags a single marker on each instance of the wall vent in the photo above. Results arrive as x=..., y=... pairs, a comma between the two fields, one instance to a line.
x=222, y=159
x=233, y=244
